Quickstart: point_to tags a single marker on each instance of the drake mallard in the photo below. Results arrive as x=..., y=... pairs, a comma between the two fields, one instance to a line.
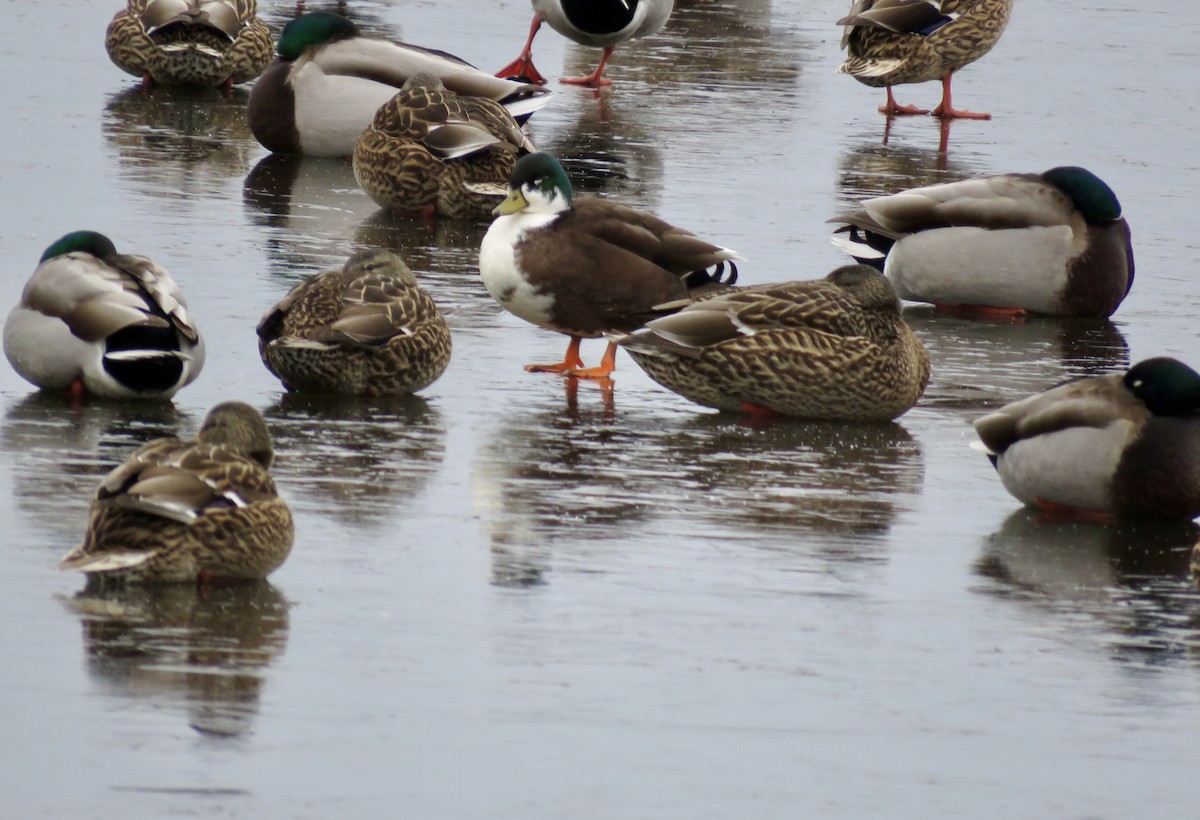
x=190, y=42
x=599, y=23
x=179, y=511
x=1123, y=444
x=366, y=329
x=430, y=147
x=330, y=79
x=832, y=348
x=94, y=321
x=1052, y=243
x=893, y=42
x=587, y=267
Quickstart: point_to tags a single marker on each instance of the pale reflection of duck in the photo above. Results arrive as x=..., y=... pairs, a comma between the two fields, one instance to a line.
x=606, y=150
x=870, y=169
x=312, y=204
x=58, y=450
x=1130, y=576
x=203, y=651
x=179, y=143
x=353, y=459
x=566, y=477
x=980, y=364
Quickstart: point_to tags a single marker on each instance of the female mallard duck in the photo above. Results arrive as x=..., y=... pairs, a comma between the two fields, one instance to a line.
x=599, y=23
x=367, y=329
x=430, y=147
x=832, y=348
x=190, y=42
x=587, y=267
x=892, y=42
x=95, y=321
x=1126, y=445
x=1052, y=243
x=330, y=79
x=179, y=511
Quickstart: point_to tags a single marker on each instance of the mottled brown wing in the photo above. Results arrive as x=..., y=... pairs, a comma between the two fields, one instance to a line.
x=377, y=309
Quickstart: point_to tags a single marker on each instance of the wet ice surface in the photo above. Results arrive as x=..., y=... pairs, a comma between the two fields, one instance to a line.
x=509, y=600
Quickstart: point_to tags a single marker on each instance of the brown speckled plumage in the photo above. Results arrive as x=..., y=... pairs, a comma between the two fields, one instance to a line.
x=428, y=146
x=885, y=49
x=365, y=329
x=179, y=511
x=832, y=348
x=189, y=42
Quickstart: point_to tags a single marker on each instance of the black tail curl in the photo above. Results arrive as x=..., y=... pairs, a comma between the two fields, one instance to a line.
x=722, y=273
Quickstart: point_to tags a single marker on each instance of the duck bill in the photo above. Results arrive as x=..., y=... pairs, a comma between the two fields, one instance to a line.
x=515, y=201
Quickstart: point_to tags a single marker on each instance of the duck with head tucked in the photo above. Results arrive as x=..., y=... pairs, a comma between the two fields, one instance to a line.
x=365, y=329
x=190, y=42
x=894, y=42
x=1054, y=243
x=186, y=511
x=429, y=148
x=585, y=266
x=835, y=348
x=331, y=79
x=1118, y=445
x=96, y=322
x=599, y=23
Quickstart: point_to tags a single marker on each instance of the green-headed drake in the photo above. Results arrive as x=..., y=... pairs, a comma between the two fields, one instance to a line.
x=894, y=42
x=190, y=42
x=365, y=329
x=832, y=348
x=429, y=148
x=1126, y=445
x=330, y=79
x=1052, y=243
x=96, y=322
x=183, y=511
x=598, y=23
x=587, y=267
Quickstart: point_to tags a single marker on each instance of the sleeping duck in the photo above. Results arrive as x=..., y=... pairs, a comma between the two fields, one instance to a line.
x=189, y=42
x=96, y=322
x=832, y=348
x=1123, y=444
x=1053, y=243
x=187, y=511
x=330, y=79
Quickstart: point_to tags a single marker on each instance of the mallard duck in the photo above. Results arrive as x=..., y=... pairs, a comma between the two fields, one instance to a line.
x=1052, y=243
x=832, y=348
x=430, y=147
x=600, y=23
x=365, y=329
x=95, y=321
x=330, y=79
x=893, y=42
x=179, y=511
x=586, y=267
x=1126, y=445
x=190, y=42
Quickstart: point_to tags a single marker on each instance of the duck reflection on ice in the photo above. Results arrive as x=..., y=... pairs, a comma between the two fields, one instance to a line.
x=357, y=460
x=203, y=651
x=550, y=485
x=58, y=450
x=179, y=143
x=1129, y=578
x=980, y=364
